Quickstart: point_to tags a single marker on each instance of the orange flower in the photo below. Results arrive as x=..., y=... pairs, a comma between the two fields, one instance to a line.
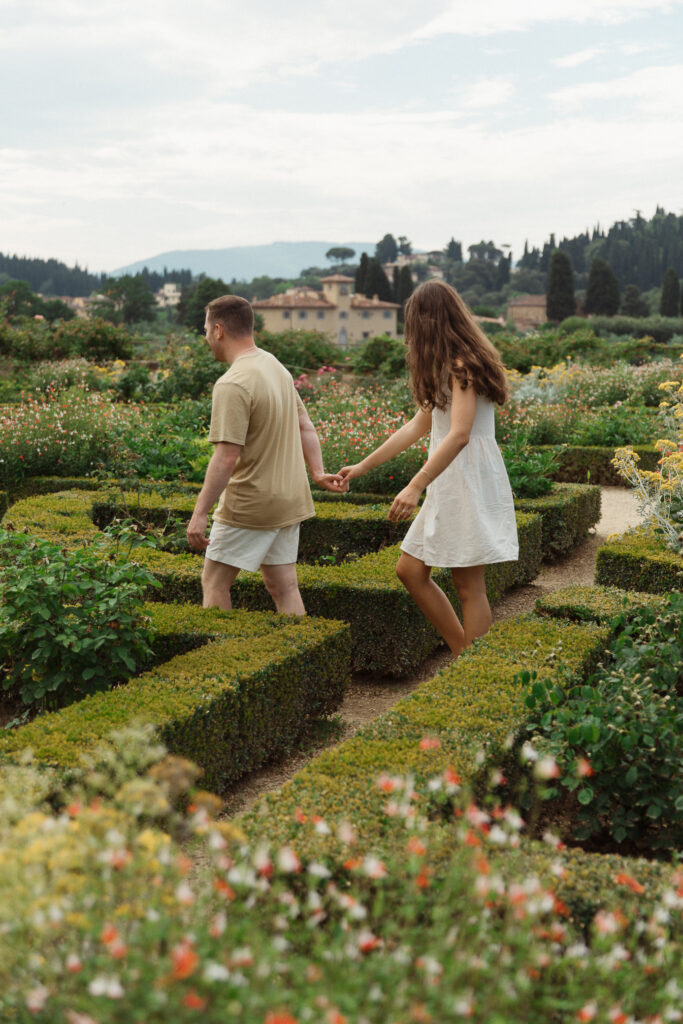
x=221, y=886
x=587, y=1012
x=194, y=1001
x=583, y=768
x=184, y=959
x=631, y=883
x=429, y=743
x=414, y=845
x=279, y=1017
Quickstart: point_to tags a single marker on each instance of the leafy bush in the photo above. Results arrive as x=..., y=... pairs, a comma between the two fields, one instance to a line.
x=621, y=424
x=300, y=350
x=70, y=621
x=617, y=738
x=51, y=377
x=530, y=469
x=660, y=328
x=31, y=340
x=380, y=354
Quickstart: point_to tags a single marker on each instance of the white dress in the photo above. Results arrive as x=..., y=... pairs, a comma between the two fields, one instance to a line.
x=468, y=515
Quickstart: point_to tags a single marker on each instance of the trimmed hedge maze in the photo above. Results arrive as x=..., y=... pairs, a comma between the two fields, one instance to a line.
x=389, y=634
x=240, y=698
x=639, y=560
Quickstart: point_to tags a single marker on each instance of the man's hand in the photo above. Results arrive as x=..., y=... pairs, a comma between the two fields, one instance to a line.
x=196, y=532
x=331, y=482
x=404, y=504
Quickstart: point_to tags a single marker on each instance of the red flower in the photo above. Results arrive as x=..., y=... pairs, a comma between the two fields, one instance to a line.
x=193, y=1001
x=631, y=883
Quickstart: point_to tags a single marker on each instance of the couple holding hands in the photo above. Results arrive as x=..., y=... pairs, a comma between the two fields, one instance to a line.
x=264, y=440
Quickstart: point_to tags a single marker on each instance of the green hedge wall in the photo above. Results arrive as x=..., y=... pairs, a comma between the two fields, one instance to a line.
x=240, y=699
x=639, y=561
x=567, y=513
x=592, y=464
x=389, y=634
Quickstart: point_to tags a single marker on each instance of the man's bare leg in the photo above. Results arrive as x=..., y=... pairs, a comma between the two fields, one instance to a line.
x=217, y=579
x=476, y=611
x=283, y=586
x=431, y=600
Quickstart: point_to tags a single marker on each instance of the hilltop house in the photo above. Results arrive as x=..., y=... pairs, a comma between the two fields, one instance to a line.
x=348, y=317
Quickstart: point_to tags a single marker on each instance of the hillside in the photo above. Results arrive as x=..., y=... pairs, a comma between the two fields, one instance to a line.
x=244, y=262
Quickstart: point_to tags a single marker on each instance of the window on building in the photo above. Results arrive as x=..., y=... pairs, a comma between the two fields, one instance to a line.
x=344, y=289
x=366, y=334
x=321, y=314
x=302, y=314
x=366, y=314
x=343, y=315
x=286, y=314
x=387, y=314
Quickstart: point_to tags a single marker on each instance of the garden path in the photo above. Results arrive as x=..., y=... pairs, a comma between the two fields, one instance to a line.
x=367, y=697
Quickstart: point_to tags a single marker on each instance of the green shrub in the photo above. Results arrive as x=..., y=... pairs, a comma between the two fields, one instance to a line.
x=300, y=350
x=96, y=340
x=567, y=514
x=617, y=737
x=240, y=698
x=660, y=328
x=380, y=355
x=639, y=560
x=530, y=470
x=594, y=463
x=618, y=425
x=71, y=622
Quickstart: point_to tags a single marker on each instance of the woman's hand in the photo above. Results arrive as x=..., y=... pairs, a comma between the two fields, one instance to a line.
x=349, y=473
x=405, y=503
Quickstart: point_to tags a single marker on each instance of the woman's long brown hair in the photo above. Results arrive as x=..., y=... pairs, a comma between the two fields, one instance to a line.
x=444, y=340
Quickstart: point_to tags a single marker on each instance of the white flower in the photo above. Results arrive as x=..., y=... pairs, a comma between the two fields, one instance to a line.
x=103, y=985
x=216, y=972
x=36, y=998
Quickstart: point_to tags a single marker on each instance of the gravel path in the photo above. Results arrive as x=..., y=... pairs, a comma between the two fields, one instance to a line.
x=367, y=697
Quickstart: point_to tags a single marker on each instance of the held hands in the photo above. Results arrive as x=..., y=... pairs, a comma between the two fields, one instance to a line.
x=332, y=482
x=349, y=473
x=405, y=503
x=196, y=532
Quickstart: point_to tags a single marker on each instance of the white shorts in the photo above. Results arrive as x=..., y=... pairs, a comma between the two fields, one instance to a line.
x=248, y=549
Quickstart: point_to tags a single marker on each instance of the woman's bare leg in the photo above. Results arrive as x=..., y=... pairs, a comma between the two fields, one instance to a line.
x=476, y=611
x=431, y=600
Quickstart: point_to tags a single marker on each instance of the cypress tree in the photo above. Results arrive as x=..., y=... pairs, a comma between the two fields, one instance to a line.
x=602, y=295
x=454, y=251
x=560, y=301
x=361, y=274
x=377, y=282
x=671, y=294
x=633, y=303
x=404, y=288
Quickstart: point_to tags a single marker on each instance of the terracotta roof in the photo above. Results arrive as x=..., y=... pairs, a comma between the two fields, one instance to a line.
x=338, y=277
x=361, y=302
x=306, y=298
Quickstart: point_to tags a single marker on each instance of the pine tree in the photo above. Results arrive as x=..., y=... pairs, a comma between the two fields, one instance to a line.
x=602, y=294
x=560, y=301
x=671, y=294
x=361, y=275
x=386, y=251
x=195, y=301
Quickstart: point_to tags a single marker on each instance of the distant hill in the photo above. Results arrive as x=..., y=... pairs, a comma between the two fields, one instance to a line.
x=244, y=262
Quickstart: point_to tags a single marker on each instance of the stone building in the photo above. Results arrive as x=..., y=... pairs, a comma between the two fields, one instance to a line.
x=527, y=312
x=348, y=318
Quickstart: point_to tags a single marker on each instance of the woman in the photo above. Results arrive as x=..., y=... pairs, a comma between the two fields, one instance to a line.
x=467, y=520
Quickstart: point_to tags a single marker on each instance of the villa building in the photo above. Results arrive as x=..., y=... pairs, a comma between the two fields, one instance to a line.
x=347, y=317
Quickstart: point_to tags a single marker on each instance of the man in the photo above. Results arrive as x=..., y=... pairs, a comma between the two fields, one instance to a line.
x=263, y=441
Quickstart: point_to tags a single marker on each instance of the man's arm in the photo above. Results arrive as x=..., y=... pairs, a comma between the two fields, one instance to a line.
x=216, y=479
x=313, y=457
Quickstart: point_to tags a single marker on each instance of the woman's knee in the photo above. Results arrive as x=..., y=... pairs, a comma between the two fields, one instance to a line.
x=411, y=571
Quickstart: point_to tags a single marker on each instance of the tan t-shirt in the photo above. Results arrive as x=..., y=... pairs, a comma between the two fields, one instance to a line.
x=256, y=405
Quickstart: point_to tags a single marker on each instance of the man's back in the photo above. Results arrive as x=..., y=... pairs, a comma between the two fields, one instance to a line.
x=255, y=405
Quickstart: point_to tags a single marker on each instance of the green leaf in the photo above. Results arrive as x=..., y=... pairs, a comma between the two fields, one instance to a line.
x=631, y=775
x=585, y=795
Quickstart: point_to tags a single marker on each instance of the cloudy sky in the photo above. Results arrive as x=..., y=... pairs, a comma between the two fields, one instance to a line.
x=129, y=129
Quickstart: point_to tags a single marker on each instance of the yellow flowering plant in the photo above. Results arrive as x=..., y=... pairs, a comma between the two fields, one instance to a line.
x=660, y=492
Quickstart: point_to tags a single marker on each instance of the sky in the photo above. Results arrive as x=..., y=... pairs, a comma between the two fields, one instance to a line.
x=128, y=129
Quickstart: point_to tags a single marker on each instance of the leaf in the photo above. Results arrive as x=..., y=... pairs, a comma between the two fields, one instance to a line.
x=585, y=795
x=631, y=775
x=654, y=811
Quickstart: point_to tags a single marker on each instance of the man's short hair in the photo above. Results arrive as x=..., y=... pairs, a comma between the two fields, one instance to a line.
x=234, y=313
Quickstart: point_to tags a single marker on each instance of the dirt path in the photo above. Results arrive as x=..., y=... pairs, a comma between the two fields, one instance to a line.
x=367, y=697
